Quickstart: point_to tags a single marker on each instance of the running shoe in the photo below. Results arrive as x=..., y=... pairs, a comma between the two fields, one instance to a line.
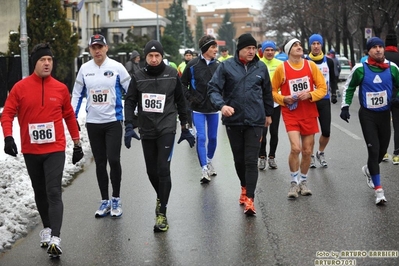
x=385, y=158
x=305, y=191
x=379, y=197
x=249, y=207
x=321, y=159
x=272, y=163
x=104, y=210
x=161, y=224
x=243, y=195
x=211, y=169
x=116, y=207
x=205, y=177
x=366, y=173
x=157, y=207
x=395, y=159
x=45, y=237
x=293, y=192
x=312, y=162
x=54, y=249
x=262, y=163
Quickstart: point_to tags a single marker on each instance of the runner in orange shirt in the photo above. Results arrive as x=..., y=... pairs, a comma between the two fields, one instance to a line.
x=297, y=78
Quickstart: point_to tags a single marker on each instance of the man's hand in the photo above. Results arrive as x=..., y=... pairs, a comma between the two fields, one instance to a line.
x=9, y=146
x=77, y=154
x=227, y=111
x=129, y=134
x=345, y=113
x=186, y=135
x=334, y=98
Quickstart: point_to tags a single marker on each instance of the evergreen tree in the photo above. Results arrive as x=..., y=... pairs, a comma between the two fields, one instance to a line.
x=47, y=23
x=227, y=32
x=199, y=31
x=180, y=28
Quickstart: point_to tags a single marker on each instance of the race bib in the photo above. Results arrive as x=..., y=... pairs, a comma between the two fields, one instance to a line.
x=153, y=102
x=42, y=133
x=100, y=96
x=298, y=85
x=376, y=99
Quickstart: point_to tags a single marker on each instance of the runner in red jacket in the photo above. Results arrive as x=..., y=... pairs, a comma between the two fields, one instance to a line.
x=41, y=104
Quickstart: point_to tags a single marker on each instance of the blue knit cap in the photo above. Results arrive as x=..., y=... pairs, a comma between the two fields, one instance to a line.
x=267, y=44
x=373, y=42
x=315, y=38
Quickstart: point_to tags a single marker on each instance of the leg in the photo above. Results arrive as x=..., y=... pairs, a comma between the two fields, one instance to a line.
x=199, y=122
x=53, y=169
x=113, y=138
x=164, y=157
x=252, y=137
x=34, y=166
x=237, y=145
x=96, y=135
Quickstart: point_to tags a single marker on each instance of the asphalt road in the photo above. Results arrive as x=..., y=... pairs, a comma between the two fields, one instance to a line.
x=339, y=223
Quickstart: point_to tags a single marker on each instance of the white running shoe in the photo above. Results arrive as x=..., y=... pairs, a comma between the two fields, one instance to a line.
x=116, y=207
x=262, y=163
x=366, y=173
x=211, y=169
x=45, y=237
x=379, y=197
x=312, y=162
x=322, y=160
x=105, y=209
x=205, y=177
x=272, y=163
x=54, y=249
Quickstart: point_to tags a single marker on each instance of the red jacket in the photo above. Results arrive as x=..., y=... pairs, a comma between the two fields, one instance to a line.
x=41, y=104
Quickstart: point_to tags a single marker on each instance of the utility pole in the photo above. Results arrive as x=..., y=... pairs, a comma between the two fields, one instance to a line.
x=24, y=39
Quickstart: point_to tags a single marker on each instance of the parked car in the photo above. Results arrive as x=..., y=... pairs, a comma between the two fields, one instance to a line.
x=346, y=67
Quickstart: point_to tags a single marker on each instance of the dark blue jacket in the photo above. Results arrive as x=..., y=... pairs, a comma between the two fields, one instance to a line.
x=246, y=88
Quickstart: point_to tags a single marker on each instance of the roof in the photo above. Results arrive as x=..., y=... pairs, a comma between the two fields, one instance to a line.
x=131, y=11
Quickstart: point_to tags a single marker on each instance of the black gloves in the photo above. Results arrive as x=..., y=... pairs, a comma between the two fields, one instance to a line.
x=395, y=102
x=334, y=98
x=77, y=154
x=129, y=134
x=9, y=146
x=345, y=113
x=186, y=135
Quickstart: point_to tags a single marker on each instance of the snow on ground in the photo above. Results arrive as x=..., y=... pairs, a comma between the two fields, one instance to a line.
x=18, y=211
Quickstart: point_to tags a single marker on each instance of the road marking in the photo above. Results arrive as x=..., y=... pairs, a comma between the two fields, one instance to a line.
x=346, y=131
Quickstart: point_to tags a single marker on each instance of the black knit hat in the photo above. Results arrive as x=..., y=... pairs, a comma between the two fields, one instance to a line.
x=245, y=40
x=153, y=46
x=391, y=39
x=41, y=49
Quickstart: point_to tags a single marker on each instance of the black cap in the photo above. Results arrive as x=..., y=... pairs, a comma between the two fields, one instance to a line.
x=223, y=49
x=153, y=46
x=188, y=52
x=40, y=50
x=97, y=39
x=245, y=40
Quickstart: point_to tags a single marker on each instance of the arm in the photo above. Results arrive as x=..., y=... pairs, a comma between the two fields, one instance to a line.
x=78, y=92
x=267, y=95
x=69, y=117
x=277, y=81
x=215, y=88
x=319, y=81
x=9, y=112
x=333, y=82
x=180, y=102
x=354, y=79
x=131, y=100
